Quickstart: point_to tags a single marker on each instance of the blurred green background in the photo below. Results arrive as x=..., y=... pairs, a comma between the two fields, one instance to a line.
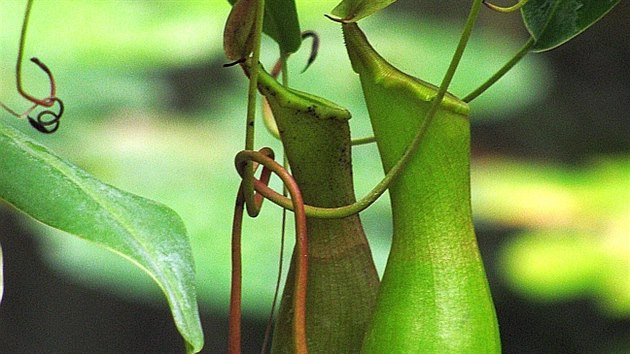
x=149, y=109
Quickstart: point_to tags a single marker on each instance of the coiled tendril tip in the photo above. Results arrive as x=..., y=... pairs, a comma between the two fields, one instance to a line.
x=47, y=126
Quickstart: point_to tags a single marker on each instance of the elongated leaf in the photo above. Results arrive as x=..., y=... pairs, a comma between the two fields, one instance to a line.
x=281, y=24
x=63, y=196
x=354, y=10
x=554, y=22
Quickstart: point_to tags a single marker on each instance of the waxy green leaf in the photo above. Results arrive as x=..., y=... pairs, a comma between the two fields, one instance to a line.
x=554, y=22
x=281, y=24
x=147, y=233
x=354, y=10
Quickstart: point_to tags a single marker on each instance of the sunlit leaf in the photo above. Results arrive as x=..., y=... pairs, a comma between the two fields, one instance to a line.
x=554, y=22
x=281, y=23
x=148, y=234
x=354, y=10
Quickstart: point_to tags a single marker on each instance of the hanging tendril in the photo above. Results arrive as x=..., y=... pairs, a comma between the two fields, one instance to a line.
x=265, y=157
x=314, y=47
x=42, y=122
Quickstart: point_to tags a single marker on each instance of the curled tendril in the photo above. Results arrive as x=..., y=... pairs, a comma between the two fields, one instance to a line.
x=46, y=102
x=264, y=157
x=47, y=121
x=314, y=47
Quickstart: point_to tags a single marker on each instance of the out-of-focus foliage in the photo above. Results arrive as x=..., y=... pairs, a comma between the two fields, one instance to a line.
x=116, y=34
x=566, y=264
x=577, y=222
x=109, y=58
x=107, y=53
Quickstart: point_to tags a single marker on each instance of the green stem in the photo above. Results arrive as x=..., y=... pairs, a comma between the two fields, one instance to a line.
x=248, y=186
x=394, y=172
x=48, y=101
x=265, y=158
x=363, y=141
x=285, y=69
x=283, y=223
x=499, y=74
x=18, y=65
x=457, y=56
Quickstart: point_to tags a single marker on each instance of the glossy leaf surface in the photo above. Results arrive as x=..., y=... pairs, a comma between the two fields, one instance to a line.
x=554, y=22
x=148, y=234
x=354, y=10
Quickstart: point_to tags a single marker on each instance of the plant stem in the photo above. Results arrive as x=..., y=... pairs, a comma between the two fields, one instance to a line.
x=265, y=158
x=363, y=141
x=48, y=101
x=248, y=186
x=457, y=56
x=395, y=171
x=499, y=74
x=234, y=325
x=18, y=65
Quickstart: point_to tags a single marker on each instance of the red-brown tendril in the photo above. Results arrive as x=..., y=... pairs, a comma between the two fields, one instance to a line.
x=43, y=125
x=277, y=68
x=264, y=157
x=45, y=102
x=314, y=47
